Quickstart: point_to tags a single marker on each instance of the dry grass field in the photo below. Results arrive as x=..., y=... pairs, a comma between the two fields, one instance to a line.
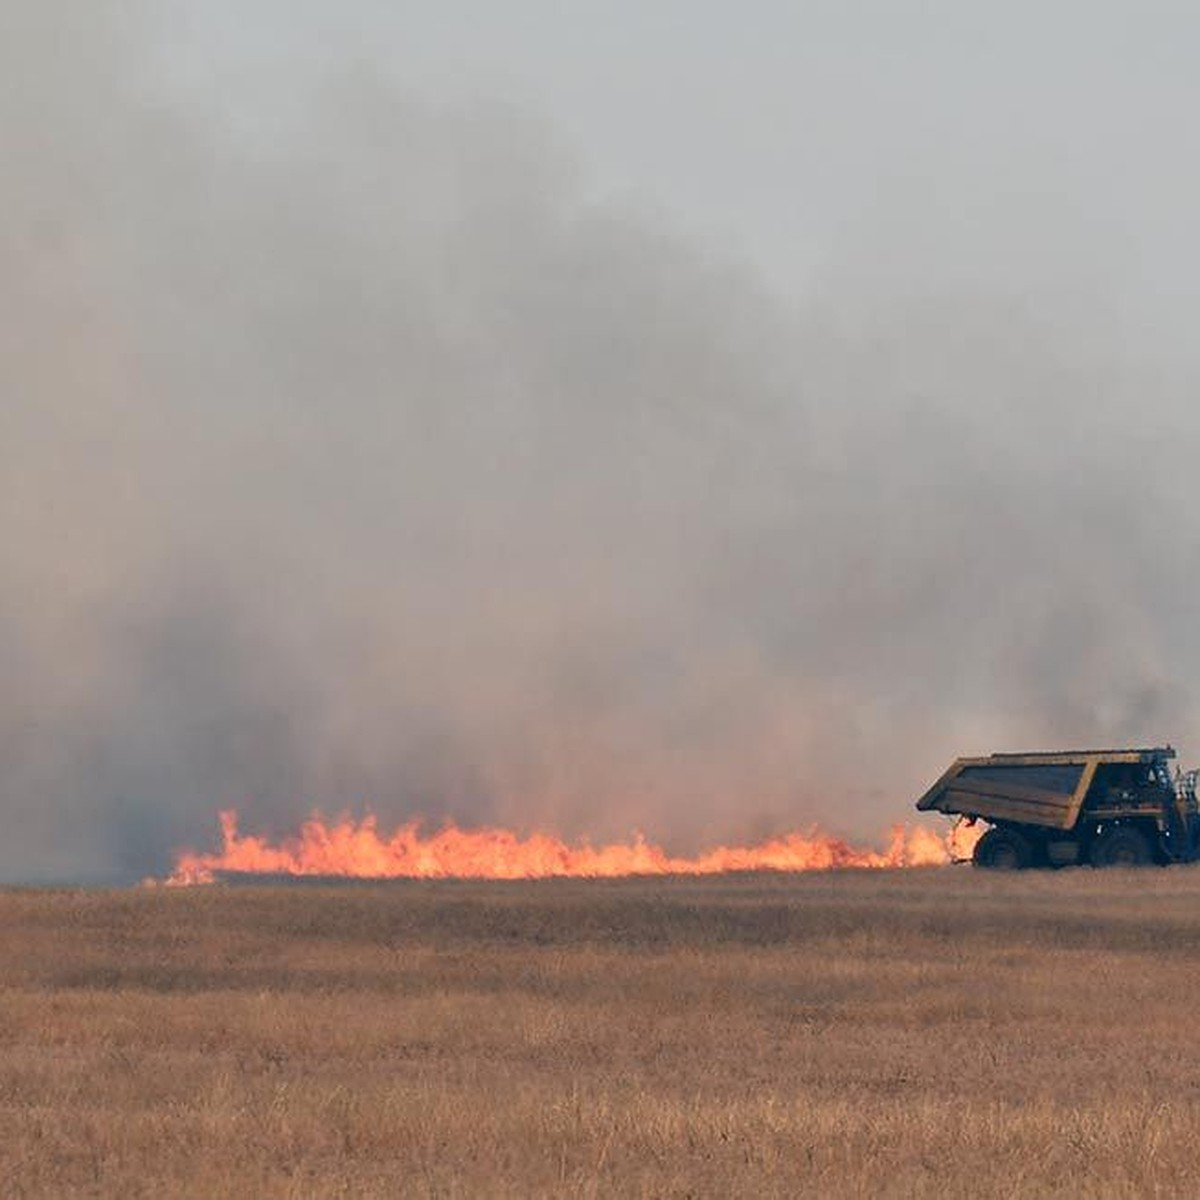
x=921, y=1033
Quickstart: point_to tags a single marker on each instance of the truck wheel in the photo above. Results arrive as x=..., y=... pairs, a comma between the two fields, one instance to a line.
x=1122, y=847
x=1002, y=850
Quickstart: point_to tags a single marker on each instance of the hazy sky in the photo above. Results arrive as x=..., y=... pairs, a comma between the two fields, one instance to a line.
x=590, y=416
x=1025, y=144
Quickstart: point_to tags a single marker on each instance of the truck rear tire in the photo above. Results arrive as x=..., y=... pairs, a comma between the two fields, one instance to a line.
x=1122, y=847
x=1002, y=850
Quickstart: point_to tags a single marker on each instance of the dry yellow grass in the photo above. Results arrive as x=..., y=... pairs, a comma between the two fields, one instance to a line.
x=926, y=1033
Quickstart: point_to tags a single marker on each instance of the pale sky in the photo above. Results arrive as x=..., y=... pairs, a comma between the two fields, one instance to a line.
x=1032, y=145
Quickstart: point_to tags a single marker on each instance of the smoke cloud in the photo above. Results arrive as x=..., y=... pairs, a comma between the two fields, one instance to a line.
x=351, y=455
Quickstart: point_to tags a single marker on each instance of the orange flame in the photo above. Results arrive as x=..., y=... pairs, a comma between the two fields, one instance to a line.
x=356, y=849
x=960, y=841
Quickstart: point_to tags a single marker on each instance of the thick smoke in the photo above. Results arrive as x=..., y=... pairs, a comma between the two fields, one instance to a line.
x=349, y=455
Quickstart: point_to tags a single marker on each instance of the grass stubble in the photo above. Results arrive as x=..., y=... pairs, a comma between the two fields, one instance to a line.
x=921, y=1033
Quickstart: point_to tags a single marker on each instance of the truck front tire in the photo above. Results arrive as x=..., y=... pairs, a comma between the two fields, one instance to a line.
x=1002, y=850
x=1122, y=847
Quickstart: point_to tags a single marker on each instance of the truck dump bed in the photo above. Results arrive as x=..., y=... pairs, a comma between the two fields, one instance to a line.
x=1044, y=789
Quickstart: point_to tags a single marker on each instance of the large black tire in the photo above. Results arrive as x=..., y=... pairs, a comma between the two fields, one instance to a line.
x=1123, y=846
x=1002, y=850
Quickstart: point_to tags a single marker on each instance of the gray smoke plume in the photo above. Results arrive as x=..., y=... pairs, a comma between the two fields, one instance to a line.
x=351, y=456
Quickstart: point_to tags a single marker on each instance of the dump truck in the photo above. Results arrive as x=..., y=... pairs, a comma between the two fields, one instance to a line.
x=1104, y=807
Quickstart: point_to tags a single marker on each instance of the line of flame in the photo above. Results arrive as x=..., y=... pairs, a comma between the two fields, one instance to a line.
x=355, y=849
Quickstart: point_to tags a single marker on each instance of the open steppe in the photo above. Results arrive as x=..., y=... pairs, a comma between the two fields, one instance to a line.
x=908, y=1033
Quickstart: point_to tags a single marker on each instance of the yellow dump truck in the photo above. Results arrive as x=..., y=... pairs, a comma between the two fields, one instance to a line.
x=1106, y=807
